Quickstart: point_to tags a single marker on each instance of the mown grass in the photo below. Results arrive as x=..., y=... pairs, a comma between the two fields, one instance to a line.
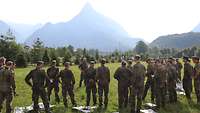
x=24, y=98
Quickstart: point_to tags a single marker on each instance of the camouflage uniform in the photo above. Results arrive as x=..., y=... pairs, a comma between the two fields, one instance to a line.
x=150, y=82
x=103, y=79
x=160, y=84
x=179, y=67
x=129, y=87
x=52, y=73
x=38, y=78
x=90, y=81
x=83, y=66
x=6, y=89
x=68, y=81
x=197, y=81
x=171, y=82
x=137, y=86
x=187, y=79
x=123, y=75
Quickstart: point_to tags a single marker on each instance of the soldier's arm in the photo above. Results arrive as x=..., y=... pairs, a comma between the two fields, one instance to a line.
x=73, y=79
x=116, y=74
x=108, y=74
x=13, y=82
x=27, y=79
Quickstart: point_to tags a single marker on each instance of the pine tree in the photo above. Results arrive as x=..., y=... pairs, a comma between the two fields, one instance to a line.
x=46, y=57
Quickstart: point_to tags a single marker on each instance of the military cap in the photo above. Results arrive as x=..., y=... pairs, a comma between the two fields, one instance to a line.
x=130, y=61
x=92, y=62
x=40, y=62
x=186, y=58
x=66, y=63
x=53, y=61
x=195, y=57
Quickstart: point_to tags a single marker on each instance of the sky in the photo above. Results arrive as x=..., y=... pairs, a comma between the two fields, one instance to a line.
x=146, y=19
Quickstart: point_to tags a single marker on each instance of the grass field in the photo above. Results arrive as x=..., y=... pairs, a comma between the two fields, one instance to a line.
x=24, y=98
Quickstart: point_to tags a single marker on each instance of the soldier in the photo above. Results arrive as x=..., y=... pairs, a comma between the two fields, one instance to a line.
x=150, y=80
x=68, y=82
x=187, y=78
x=103, y=80
x=197, y=77
x=160, y=83
x=83, y=67
x=2, y=62
x=6, y=89
x=172, y=78
x=39, y=80
x=179, y=67
x=130, y=67
x=137, y=84
x=123, y=74
x=52, y=73
x=90, y=81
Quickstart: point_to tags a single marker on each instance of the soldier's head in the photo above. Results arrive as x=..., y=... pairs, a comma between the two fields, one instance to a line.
x=67, y=65
x=53, y=63
x=39, y=64
x=195, y=59
x=84, y=59
x=9, y=64
x=92, y=63
x=103, y=61
x=130, y=62
x=123, y=63
x=158, y=61
x=2, y=61
x=137, y=58
x=186, y=59
x=172, y=60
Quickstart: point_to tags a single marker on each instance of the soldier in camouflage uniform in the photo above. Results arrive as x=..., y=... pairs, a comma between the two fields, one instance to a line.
x=179, y=67
x=150, y=80
x=6, y=86
x=137, y=85
x=68, y=82
x=12, y=69
x=187, y=78
x=172, y=78
x=90, y=81
x=39, y=82
x=103, y=80
x=160, y=83
x=197, y=77
x=52, y=73
x=123, y=74
x=2, y=62
x=130, y=67
x=83, y=67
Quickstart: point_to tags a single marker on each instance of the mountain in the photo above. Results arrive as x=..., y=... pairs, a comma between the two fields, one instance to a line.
x=197, y=28
x=89, y=29
x=25, y=30
x=185, y=40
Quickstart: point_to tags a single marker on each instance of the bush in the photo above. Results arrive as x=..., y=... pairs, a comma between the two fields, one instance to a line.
x=21, y=60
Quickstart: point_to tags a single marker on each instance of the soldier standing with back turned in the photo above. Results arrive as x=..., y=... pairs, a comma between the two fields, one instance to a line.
x=103, y=80
x=137, y=85
x=52, y=73
x=39, y=81
x=197, y=77
x=83, y=67
x=187, y=77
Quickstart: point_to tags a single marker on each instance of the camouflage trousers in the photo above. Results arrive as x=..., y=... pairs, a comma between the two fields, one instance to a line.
x=68, y=90
x=160, y=96
x=91, y=89
x=172, y=92
x=54, y=86
x=122, y=95
x=40, y=92
x=187, y=86
x=197, y=89
x=8, y=96
x=103, y=89
x=137, y=93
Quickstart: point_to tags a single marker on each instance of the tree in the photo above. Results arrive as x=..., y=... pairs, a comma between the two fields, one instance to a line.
x=21, y=60
x=37, y=51
x=97, y=55
x=141, y=48
x=46, y=58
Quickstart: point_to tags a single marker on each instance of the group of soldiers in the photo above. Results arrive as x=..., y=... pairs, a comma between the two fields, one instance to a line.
x=162, y=76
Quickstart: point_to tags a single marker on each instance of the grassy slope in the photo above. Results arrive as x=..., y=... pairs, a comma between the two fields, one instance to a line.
x=24, y=97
